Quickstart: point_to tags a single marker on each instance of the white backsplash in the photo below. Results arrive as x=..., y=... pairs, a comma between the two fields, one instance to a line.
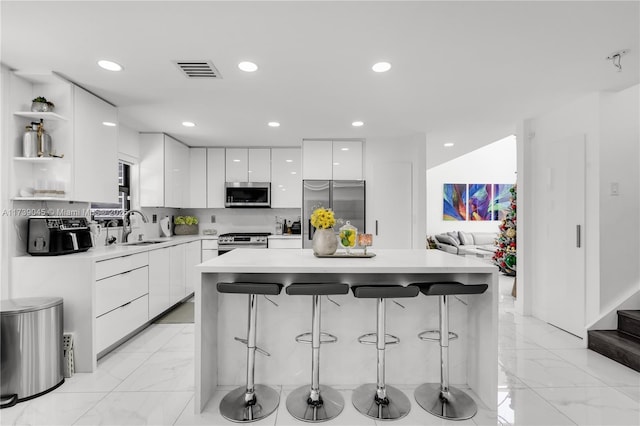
x=241, y=220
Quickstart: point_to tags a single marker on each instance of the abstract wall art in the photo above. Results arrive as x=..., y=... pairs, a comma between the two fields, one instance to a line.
x=501, y=200
x=479, y=201
x=454, y=203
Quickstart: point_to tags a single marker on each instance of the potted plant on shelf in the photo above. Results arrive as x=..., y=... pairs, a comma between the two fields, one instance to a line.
x=41, y=104
x=185, y=225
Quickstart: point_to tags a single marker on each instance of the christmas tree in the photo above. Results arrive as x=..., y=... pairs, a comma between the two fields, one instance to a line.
x=505, y=255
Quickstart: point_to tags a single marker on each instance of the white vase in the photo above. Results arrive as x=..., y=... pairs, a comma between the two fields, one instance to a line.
x=325, y=242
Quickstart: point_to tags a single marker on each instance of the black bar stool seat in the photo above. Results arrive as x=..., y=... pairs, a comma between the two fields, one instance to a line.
x=379, y=400
x=251, y=402
x=441, y=399
x=315, y=403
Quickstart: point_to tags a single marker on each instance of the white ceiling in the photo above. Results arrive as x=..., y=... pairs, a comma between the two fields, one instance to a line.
x=463, y=72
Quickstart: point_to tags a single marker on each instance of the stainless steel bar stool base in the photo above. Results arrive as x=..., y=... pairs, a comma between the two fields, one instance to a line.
x=298, y=406
x=457, y=406
x=234, y=408
x=364, y=401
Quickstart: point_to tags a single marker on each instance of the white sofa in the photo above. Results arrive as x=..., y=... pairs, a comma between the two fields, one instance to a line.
x=459, y=242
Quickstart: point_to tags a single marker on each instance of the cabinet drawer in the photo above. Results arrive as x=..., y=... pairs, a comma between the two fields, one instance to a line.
x=116, y=324
x=119, y=289
x=209, y=244
x=107, y=268
x=291, y=243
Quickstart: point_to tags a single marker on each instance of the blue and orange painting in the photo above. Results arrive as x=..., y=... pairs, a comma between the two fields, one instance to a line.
x=454, y=201
x=479, y=201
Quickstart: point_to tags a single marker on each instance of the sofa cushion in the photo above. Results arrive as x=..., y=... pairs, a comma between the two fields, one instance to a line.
x=484, y=238
x=465, y=238
x=447, y=239
x=454, y=235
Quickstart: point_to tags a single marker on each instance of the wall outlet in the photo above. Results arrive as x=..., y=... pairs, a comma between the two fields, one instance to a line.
x=154, y=218
x=213, y=218
x=615, y=189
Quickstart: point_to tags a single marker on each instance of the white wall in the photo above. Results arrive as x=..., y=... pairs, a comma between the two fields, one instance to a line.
x=609, y=123
x=494, y=163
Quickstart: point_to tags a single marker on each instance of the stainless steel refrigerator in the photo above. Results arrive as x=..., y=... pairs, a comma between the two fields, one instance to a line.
x=345, y=197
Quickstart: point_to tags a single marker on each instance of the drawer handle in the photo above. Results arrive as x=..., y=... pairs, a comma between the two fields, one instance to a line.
x=128, y=303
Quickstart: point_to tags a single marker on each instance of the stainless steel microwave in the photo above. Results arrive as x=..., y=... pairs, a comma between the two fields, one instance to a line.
x=247, y=194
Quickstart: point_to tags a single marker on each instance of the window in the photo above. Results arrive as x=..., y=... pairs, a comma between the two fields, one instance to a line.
x=102, y=212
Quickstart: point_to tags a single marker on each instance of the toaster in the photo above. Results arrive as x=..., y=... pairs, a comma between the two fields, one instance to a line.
x=52, y=236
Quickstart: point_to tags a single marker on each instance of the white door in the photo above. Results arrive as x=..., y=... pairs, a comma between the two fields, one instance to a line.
x=564, y=220
x=391, y=205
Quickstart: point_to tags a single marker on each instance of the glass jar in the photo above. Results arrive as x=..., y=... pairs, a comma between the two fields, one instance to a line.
x=347, y=236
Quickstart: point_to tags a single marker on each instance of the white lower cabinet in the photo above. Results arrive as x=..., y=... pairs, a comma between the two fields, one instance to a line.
x=192, y=257
x=118, y=290
x=177, y=286
x=286, y=243
x=159, y=281
x=116, y=324
x=209, y=249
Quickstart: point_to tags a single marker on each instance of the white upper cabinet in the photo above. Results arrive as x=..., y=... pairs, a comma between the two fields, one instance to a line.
x=95, y=149
x=215, y=177
x=337, y=160
x=248, y=165
x=164, y=171
x=197, y=178
x=317, y=159
x=237, y=164
x=176, y=173
x=259, y=169
x=347, y=160
x=286, y=178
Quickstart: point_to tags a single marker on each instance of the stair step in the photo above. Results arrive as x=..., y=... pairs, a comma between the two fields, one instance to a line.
x=629, y=322
x=619, y=346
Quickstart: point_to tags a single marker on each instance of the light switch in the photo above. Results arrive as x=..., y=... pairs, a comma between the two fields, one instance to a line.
x=615, y=190
x=213, y=218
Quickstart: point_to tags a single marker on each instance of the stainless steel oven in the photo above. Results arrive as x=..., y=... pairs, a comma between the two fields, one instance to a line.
x=240, y=240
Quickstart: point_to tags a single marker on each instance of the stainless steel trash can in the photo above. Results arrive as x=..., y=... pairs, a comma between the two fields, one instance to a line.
x=31, y=362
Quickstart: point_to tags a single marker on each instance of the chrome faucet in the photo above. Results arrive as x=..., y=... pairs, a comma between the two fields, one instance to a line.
x=126, y=223
x=108, y=241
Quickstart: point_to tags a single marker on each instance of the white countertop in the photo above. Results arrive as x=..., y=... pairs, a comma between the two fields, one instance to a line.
x=303, y=260
x=116, y=250
x=285, y=237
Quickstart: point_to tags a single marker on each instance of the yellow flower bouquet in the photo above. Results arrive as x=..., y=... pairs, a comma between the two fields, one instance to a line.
x=322, y=218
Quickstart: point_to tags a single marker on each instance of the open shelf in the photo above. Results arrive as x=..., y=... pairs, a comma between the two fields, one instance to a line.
x=33, y=159
x=40, y=199
x=43, y=115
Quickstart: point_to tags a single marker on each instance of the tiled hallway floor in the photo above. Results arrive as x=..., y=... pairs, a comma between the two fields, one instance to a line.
x=546, y=378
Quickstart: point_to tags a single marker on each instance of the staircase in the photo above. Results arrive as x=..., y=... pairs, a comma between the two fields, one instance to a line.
x=621, y=345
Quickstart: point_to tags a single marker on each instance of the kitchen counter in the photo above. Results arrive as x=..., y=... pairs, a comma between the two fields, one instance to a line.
x=116, y=250
x=473, y=357
x=285, y=237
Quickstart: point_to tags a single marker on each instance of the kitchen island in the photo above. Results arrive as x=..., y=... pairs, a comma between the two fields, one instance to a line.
x=219, y=361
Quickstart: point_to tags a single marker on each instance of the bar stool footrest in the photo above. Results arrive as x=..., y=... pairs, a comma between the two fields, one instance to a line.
x=434, y=335
x=324, y=338
x=371, y=339
x=259, y=350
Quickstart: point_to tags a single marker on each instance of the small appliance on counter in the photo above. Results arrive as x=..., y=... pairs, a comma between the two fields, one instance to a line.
x=165, y=227
x=56, y=235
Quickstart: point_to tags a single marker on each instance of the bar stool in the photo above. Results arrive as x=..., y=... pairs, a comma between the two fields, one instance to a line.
x=317, y=403
x=441, y=399
x=378, y=400
x=251, y=402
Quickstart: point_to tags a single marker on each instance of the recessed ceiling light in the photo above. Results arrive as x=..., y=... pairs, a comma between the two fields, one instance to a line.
x=357, y=123
x=449, y=144
x=381, y=67
x=336, y=164
x=289, y=161
x=108, y=124
x=294, y=173
x=247, y=66
x=109, y=65
x=188, y=124
x=235, y=160
x=344, y=149
x=273, y=124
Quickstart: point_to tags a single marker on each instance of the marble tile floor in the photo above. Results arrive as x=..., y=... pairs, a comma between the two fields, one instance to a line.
x=545, y=378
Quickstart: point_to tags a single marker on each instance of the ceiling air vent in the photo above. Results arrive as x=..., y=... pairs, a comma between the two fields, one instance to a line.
x=198, y=69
